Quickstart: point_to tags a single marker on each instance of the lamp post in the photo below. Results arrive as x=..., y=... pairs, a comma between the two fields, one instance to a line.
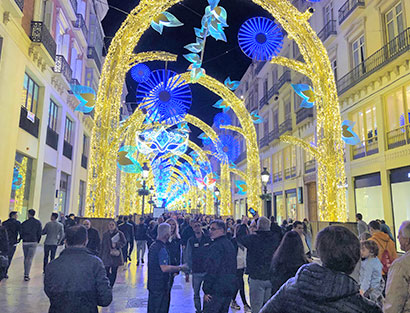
x=265, y=175
x=144, y=192
x=217, y=193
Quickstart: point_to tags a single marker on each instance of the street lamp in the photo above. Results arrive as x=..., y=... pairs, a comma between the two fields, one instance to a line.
x=265, y=175
x=217, y=193
x=144, y=192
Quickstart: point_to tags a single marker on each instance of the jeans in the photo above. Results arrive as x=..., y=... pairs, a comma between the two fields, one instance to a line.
x=111, y=274
x=158, y=301
x=241, y=286
x=49, y=250
x=197, y=280
x=29, y=250
x=217, y=304
x=260, y=292
x=12, y=249
x=141, y=244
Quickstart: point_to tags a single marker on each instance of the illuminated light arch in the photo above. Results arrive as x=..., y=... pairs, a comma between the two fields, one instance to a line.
x=331, y=175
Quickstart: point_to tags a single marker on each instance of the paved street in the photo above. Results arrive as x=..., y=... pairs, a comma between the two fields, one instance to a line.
x=130, y=294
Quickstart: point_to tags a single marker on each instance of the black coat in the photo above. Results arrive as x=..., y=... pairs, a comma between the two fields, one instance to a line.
x=31, y=230
x=128, y=230
x=4, y=241
x=174, y=250
x=13, y=227
x=186, y=234
x=141, y=232
x=280, y=273
x=94, y=241
x=318, y=289
x=261, y=247
x=77, y=282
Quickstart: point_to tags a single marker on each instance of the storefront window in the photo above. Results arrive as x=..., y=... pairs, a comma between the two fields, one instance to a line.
x=63, y=193
x=369, y=200
x=280, y=208
x=291, y=202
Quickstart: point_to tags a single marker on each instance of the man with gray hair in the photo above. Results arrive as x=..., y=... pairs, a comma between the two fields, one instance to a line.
x=261, y=247
x=159, y=270
x=398, y=279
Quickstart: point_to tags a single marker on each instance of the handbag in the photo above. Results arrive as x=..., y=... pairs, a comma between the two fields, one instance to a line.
x=4, y=260
x=115, y=252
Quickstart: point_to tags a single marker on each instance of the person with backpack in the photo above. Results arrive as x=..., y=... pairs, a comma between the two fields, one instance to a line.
x=387, y=249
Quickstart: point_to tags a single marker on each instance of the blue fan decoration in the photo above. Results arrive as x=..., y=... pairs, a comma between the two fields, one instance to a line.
x=226, y=149
x=140, y=73
x=166, y=97
x=222, y=119
x=402, y=121
x=260, y=38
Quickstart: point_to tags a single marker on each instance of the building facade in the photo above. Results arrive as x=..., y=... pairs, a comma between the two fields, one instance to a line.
x=46, y=46
x=368, y=43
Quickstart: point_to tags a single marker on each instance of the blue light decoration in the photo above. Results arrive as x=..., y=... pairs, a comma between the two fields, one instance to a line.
x=242, y=187
x=221, y=104
x=260, y=38
x=161, y=140
x=183, y=127
x=196, y=47
x=402, y=121
x=222, y=119
x=86, y=95
x=306, y=93
x=348, y=135
x=232, y=84
x=166, y=97
x=140, y=73
x=256, y=118
x=313, y=0
x=205, y=139
x=226, y=149
x=17, y=179
x=165, y=19
x=161, y=168
x=205, y=168
x=126, y=162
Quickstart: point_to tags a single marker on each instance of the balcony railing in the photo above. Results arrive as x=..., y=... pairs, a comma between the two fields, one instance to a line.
x=398, y=137
x=328, y=30
x=273, y=91
x=63, y=67
x=40, y=33
x=80, y=23
x=303, y=114
x=27, y=124
x=92, y=54
x=67, y=150
x=263, y=101
x=74, y=5
x=310, y=166
x=377, y=60
x=290, y=172
x=277, y=177
x=365, y=148
x=285, y=126
x=20, y=4
x=52, y=138
x=264, y=141
x=284, y=79
x=348, y=7
x=84, y=161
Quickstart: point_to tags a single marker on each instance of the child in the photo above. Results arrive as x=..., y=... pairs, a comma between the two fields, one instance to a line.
x=371, y=281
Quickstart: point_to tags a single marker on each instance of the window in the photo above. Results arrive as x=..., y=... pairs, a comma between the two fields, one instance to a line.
x=275, y=75
x=275, y=120
x=358, y=51
x=277, y=163
x=265, y=125
x=86, y=145
x=287, y=109
x=81, y=198
x=334, y=68
x=53, y=116
x=265, y=87
x=394, y=22
x=63, y=193
x=30, y=94
x=68, y=130
x=328, y=13
x=366, y=123
x=397, y=108
x=89, y=77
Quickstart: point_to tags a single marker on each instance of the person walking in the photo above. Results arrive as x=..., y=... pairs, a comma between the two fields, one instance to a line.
x=31, y=234
x=76, y=281
x=327, y=287
x=385, y=229
x=398, y=279
x=94, y=241
x=362, y=227
x=220, y=278
x=4, y=249
x=141, y=238
x=298, y=227
x=197, y=249
x=261, y=247
x=128, y=230
x=112, y=242
x=287, y=260
x=174, y=245
x=13, y=227
x=159, y=271
x=308, y=232
x=131, y=243
x=70, y=221
x=54, y=232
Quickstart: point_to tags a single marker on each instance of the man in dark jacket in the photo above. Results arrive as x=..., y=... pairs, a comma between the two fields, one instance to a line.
x=4, y=249
x=141, y=238
x=133, y=231
x=327, y=288
x=70, y=221
x=76, y=281
x=220, y=278
x=31, y=234
x=94, y=241
x=13, y=227
x=261, y=247
x=128, y=231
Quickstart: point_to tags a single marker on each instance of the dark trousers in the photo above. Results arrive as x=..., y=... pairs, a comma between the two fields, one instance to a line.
x=49, y=250
x=158, y=302
x=241, y=285
x=12, y=249
x=131, y=243
x=112, y=274
x=217, y=304
x=125, y=252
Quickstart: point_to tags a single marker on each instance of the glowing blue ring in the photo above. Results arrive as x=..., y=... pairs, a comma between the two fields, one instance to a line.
x=140, y=73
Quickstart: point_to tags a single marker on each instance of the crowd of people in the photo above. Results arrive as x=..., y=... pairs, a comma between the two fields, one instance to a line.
x=342, y=272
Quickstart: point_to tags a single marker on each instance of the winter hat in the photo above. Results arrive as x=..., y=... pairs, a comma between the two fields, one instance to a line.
x=263, y=224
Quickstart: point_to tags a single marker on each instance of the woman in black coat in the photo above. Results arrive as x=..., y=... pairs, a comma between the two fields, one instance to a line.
x=174, y=246
x=286, y=261
x=4, y=249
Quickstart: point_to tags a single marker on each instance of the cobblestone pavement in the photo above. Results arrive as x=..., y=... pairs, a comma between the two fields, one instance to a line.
x=130, y=294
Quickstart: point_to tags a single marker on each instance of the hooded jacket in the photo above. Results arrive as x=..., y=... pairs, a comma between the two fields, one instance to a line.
x=384, y=243
x=318, y=289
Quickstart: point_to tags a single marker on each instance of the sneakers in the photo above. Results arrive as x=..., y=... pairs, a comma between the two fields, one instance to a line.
x=235, y=305
x=247, y=308
x=26, y=278
x=138, y=262
x=142, y=260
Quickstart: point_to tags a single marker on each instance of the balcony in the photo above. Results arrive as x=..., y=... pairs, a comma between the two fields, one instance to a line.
x=264, y=141
x=290, y=172
x=303, y=114
x=310, y=166
x=63, y=67
x=273, y=91
x=277, y=177
x=67, y=150
x=284, y=79
x=40, y=34
x=398, y=137
x=74, y=5
x=285, y=126
x=84, y=161
x=20, y=4
x=52, y=138
x=26, y=123
x=391, y=51
x=92, y=54
x=263, y=101
x=79, y=24
x=365, y=148
x=348, y=7
x=328, y=30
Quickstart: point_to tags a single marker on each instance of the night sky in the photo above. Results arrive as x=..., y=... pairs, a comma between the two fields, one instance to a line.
x=222, y=59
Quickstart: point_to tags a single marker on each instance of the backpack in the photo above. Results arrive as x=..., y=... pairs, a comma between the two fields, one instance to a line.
x=386, y=260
